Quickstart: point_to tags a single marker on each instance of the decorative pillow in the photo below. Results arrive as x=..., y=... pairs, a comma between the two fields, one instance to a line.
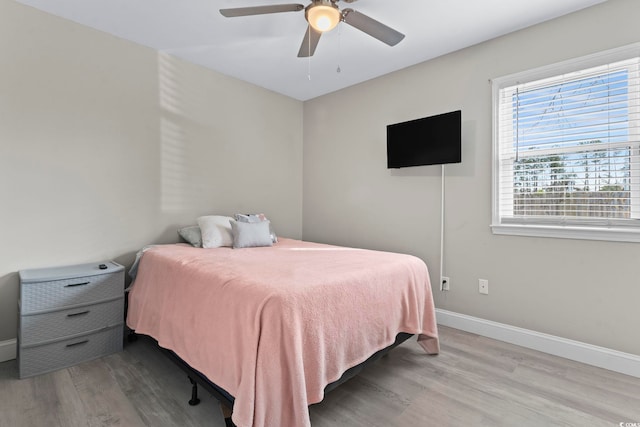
x=253, y=218
x=216, y=231
x=250, y=218
x=251, y=234
x=192, y=235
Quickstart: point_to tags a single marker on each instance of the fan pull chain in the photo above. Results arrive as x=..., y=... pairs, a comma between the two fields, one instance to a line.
x=338, y=70
x=309, y=52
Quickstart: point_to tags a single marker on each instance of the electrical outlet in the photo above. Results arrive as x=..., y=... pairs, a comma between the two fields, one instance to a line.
x=483, y=286
x=445, y=282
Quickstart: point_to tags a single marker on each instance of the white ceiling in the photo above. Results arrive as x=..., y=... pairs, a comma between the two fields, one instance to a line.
x=263, y=49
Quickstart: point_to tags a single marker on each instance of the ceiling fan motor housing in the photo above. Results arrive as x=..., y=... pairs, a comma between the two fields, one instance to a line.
x=323, y=15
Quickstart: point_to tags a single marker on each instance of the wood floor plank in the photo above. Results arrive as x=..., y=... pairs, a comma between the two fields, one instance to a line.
x=105, y=405
x=602, y=403
x=50, y=396
x=69, y=410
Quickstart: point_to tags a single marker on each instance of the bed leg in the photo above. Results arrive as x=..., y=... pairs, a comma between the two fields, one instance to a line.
x=132, y=336
x=194, y=393
x=226, y=413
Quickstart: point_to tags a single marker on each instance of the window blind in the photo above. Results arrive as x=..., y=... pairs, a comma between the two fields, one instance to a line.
x=568, y=147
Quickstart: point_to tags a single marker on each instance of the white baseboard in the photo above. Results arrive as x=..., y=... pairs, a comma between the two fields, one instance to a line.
x=8, y=350
x=602, y=357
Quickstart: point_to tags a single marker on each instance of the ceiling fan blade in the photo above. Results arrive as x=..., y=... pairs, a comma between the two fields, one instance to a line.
x=309, y=43
x=372, y=27
x=261, y=10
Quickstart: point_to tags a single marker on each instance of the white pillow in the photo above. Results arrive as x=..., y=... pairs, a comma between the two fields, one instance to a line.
x=216, y=231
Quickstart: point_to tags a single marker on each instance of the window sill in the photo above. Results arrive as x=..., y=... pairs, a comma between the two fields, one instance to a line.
x=612, y=234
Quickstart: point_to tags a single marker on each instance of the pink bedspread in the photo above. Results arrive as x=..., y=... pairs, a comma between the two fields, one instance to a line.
x=273, y=326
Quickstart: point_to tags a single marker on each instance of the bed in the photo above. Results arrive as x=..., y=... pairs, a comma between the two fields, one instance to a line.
x=272, y=327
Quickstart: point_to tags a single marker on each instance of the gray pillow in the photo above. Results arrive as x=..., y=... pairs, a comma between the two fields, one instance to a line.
x=252, y=218
x=191, y=234
x=251, y=234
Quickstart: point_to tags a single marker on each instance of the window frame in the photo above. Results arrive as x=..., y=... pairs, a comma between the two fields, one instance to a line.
x=585, y=228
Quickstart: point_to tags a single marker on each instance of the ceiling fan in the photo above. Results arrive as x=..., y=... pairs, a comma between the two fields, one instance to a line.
x=323, y=16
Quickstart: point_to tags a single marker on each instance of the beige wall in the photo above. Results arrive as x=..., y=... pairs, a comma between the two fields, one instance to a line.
x=106, y=146
x=583, y=290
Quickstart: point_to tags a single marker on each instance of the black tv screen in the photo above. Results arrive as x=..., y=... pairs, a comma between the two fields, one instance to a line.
x=433, y=140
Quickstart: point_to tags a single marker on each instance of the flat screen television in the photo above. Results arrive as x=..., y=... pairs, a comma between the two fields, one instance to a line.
x=433, y=140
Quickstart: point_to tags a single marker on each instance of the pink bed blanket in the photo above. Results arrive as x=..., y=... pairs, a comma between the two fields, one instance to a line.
x=274, y=325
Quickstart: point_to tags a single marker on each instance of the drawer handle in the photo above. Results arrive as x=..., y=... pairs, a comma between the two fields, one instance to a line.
x=77, y=284
x=77, y=343
x=78, y=314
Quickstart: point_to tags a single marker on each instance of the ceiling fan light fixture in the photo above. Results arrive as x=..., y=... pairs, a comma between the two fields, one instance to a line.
x=323, y=15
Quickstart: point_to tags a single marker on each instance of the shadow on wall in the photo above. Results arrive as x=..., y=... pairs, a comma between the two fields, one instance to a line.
x=173, y=179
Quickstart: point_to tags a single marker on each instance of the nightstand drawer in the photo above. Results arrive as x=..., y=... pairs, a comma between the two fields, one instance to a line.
x=55, y=294
x=50, y=326
x=61, y=354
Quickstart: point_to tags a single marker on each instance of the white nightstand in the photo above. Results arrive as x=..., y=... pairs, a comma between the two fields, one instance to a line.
x=69, y=315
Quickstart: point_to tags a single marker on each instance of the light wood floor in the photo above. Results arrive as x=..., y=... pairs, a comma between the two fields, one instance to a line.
x=475, y=381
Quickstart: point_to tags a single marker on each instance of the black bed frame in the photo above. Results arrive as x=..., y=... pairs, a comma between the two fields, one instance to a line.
x=226, y=400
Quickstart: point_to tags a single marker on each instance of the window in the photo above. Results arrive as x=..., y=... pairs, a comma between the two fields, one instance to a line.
x=567, y=149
